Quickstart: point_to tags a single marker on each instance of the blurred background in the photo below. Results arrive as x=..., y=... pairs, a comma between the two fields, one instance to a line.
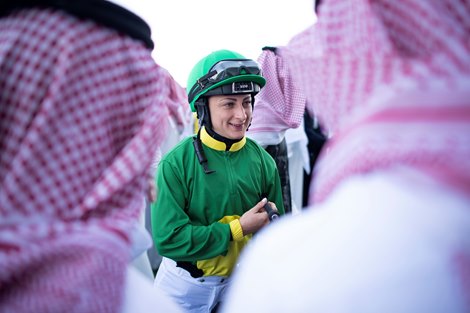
x=184, y=31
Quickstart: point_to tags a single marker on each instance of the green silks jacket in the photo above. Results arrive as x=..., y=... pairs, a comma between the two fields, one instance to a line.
x=191, y=216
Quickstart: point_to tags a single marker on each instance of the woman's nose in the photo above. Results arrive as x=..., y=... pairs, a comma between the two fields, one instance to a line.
x=240, y=111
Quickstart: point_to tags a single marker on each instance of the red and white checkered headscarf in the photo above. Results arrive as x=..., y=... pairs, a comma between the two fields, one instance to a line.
x=80, y=115
x=177, y=103
x=280, y=104
x=391, y=81
x=300, y=63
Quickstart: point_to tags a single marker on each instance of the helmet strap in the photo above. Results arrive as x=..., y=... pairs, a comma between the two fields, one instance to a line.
x=203, y=115
x=252, y=108
x=203, y=112
x=201, y=156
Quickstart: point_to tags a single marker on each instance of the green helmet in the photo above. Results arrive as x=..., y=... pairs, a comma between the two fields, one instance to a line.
x=223, y=72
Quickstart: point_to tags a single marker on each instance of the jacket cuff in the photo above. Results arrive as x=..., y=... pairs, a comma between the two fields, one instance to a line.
x=236, y=230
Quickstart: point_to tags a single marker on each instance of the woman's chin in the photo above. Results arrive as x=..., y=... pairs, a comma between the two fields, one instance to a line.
x=235, y=135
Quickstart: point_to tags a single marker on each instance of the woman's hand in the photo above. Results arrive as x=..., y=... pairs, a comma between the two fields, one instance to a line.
x=254, y=219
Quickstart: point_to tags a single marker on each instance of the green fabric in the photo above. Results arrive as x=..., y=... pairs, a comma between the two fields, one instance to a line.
x=205, y=64
x=190, y=203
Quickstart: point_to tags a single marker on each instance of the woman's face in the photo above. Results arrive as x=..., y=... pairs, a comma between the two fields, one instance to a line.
x=230, y=114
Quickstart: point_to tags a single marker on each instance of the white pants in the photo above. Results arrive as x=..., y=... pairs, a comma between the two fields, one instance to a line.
x=141, y=297
x=193, y=294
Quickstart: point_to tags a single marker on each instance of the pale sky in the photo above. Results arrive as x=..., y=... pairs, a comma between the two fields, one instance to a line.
x=184, y=31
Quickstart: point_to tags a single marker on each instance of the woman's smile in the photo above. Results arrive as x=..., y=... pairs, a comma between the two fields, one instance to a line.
x=231, y=114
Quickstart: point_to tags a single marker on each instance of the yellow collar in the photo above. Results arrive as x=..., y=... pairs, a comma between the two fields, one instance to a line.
x=219, y=145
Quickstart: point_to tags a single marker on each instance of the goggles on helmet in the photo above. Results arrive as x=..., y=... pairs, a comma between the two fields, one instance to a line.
x=223, y=70
x=229, y=68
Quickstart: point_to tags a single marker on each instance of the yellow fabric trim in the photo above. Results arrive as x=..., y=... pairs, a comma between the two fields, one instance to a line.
x=223, y=265
x=219, y=145
x=236, y=229
x=196, y=122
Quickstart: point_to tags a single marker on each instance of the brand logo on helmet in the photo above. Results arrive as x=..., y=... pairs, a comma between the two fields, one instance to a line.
x=242, y=87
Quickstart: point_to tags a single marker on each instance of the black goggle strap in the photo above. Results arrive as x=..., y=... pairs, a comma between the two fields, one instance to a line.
x=100, y=11
x=222, y=70
x=201, y=83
